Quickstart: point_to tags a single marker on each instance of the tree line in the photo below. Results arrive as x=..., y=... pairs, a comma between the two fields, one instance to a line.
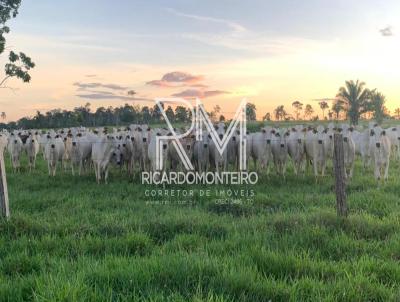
x=111, y=116
x=353, y=102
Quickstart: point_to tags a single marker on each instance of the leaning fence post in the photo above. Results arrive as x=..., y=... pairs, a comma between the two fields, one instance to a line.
x=340, y=178
x=4, y=207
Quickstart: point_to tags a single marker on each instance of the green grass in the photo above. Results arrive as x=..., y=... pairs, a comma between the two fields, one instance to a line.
x=70, y=239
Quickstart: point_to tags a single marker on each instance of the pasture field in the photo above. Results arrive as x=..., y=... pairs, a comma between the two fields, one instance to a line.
x=70, y=239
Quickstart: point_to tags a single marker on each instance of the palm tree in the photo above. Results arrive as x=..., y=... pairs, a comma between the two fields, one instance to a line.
x=355, y=98
x=298, y=107
x=323, y=105
x=3, y=116
x=308, y=111
x=280, y=113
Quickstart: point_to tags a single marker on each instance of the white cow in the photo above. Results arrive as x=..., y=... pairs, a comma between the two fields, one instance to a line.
x=81, y=151
x=201, y=153
x=54, y=151
x=3, y=141
x=152, y=151
x=261, y=148
x=15, y=147
x=32, y=150
x=142, y=137
x=280, y=151
x=102, y=150
x=380, y=149
x=296, y=149
x=349, y=149
x=394, y=136
x=218, y=160
x=316, y=151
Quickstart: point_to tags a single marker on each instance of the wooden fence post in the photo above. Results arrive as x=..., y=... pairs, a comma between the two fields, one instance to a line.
x=4, y=206
x=340, y=178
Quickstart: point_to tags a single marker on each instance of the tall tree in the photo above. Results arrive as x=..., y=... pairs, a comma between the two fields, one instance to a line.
x=298, y=107
x=170, y=114
x=323, y=105
x=338, y=107
x=308, y=111
x=397, y=113
x=215, y=113
x=181, y=114
x=251, y=112
x=267, y=117
x=377, y=105
x=3, y=116
x=19, y=64
x=280, y=113
x=355, y=97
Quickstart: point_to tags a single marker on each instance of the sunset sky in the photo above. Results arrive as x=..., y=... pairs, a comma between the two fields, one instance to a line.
x=272, y=52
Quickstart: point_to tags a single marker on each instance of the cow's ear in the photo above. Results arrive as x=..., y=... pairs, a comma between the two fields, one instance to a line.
x=394, y=129
x=383, y=132
x=294, y=129
x=148, y=129
x=376, y=125
x=273, y=131
x=264, y=131
x=277, y=134
x=315, y=131
x=372, y=132
x=326, y=131
x=158, y=134
x=128, y=128
x=247, y=132
x=340, y=130
x=287, y=134
x=351, y=129
x=139, y=129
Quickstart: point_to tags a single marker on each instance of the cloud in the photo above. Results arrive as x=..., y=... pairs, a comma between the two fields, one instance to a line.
x=111, y=92
x=236, y=27
x=108, y=96
x=195, y=93
x=84, y=86
x=387, y=31
x=178, y=79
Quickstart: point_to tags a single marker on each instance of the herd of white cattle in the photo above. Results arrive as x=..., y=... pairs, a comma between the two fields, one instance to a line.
x=134, y=149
